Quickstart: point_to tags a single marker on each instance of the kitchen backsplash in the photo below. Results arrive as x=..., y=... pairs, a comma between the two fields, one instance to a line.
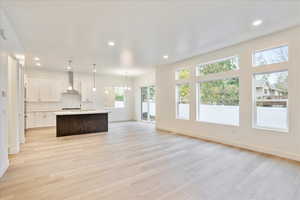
x=54, y=106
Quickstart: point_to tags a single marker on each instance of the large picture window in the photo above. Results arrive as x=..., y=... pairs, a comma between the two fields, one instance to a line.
x=183, y=101
x=218, y=101
x=271, y=100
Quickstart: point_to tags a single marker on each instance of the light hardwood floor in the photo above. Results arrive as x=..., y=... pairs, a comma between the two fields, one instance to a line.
x=134, y=161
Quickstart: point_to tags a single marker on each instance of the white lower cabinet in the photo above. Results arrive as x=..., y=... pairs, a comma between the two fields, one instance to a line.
x=40, y=119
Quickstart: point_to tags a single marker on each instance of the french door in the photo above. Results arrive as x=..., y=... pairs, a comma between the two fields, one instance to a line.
x=148, y=103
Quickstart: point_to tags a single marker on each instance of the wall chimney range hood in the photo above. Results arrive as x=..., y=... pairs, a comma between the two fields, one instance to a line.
x=70, y=89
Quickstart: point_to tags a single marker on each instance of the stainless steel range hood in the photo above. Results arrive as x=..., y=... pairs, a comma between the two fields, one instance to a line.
x=70, y=89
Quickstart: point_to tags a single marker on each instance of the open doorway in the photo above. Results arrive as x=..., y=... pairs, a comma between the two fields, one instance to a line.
x=148, y=103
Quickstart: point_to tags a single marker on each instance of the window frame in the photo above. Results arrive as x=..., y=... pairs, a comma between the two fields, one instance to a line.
x=183, y=68
x=125, y=97
x=198, y=100
x=213, y=77
x=254, y=107
x=270, y=48
x=269, y=68
x=176, y=101
x=216, y=61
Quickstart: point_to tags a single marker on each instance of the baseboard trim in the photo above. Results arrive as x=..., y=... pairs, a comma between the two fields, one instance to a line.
x=4, y=167
x=39, y=128
x=118, y=121
x=13, y=150
x=257, y=149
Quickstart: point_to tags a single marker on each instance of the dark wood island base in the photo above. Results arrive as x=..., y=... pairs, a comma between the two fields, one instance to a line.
x=76, y=124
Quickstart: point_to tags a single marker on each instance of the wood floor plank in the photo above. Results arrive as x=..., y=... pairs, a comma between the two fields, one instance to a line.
x=134, y=161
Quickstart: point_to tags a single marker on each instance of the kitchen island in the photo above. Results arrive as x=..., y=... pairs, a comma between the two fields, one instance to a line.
x=81, y=122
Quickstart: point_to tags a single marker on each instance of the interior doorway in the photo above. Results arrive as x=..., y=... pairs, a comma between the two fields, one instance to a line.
x=148, y=103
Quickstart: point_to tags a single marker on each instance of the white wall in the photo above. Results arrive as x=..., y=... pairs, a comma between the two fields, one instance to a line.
x=102, y=81
x=147, y=79
x=7, y=47
x=273, y=142
x=13, y=107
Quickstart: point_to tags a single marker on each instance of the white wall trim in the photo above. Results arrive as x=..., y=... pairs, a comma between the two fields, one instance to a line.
x=13, y=150
x=4, y=167
x=258, y=149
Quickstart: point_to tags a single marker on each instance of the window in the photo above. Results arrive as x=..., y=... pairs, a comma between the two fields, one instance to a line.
x=218, y=101
x=148, y=103
x=271, y=56
x=183, y=101
x=182, y=74
x=271, y=108
x=223, y=65
x=114, y=97
x=119, y=97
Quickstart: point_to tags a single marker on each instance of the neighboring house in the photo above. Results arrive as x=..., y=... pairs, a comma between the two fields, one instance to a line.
x=269, y=95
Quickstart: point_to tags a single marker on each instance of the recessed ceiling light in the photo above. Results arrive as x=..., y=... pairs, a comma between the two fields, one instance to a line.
x=257, y=22
x=38, y=64
x=165, y=56
x=111, y=43
x=36, y=59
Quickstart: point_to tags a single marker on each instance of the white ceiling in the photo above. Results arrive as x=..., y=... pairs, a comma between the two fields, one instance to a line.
x=143, y=31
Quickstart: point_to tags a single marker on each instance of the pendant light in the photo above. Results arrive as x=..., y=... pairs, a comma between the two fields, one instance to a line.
x=69, y=68
x=126, y=87
x=94, y=78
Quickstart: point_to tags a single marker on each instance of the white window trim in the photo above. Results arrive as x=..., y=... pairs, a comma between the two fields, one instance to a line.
x=216, y=61
x=176, y=100
x=213, y=77
x=125, y=99
x=198, y=98
x=270, y=48
x=182, y=68
x=254, y=110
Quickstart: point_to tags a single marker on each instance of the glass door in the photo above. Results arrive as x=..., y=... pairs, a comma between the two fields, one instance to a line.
x=144, y=97
x=148, y=103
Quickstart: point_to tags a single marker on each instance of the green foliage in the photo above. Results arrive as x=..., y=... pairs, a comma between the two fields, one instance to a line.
x=183, y=74
x=184, y=91
x=119, y=94
x=148, y=94
x=220, y=92
x=119, y=98
x=222, y=66
x=144, y=93
x=151, y=92
x=282, y=82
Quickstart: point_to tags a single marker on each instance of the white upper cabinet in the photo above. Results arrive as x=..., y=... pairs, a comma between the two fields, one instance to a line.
x=43, y=90
x=32, y=90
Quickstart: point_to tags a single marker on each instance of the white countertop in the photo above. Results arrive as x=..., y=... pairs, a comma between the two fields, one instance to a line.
x=80, y=112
